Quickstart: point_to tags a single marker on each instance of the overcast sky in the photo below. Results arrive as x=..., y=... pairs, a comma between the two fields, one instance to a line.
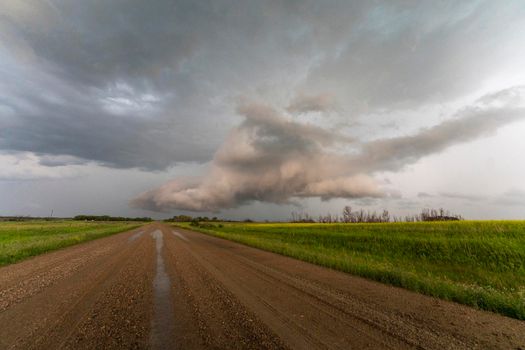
x=259, y=108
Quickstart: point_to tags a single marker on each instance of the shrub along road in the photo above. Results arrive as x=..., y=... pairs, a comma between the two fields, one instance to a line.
x=163, y=287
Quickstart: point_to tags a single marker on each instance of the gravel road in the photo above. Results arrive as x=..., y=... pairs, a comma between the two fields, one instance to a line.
x=157, y=287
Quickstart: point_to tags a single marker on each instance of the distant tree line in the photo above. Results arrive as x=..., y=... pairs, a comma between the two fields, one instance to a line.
x=109, y=218
x=360, y=216
x=28, y=218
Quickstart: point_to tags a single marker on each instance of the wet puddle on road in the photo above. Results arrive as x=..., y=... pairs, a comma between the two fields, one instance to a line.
x=163, y=323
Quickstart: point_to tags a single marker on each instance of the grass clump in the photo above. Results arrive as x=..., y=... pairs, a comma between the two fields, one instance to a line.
x=477, y=263
x=20, y=240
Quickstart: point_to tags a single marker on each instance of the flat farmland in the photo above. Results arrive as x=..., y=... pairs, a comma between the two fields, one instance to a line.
x=476, y=263
x=20, y=240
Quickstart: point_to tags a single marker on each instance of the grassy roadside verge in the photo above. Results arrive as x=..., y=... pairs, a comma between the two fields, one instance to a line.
x=21, y=240
x=477, y=263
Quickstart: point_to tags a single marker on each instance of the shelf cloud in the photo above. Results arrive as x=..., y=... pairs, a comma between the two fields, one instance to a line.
x=272, y=158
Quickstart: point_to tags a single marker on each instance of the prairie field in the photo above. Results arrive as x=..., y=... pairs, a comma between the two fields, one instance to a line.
x=23, y=239
x=477, y=263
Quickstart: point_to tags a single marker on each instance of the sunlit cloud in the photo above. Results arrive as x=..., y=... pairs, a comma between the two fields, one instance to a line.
x=272, y=158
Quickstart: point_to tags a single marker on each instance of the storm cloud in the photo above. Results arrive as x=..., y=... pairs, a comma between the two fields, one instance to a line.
x=279, y=100
x=124, y=83
x=270, y=157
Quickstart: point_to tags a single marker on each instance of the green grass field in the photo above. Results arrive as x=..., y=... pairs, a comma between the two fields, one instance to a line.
x=477, y=263
x=20, y=240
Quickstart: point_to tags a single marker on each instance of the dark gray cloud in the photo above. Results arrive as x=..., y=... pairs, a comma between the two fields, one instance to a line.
x=414, y=53
x=133, y=84
x=96, y=81
x=129, y=84
x=72, y=128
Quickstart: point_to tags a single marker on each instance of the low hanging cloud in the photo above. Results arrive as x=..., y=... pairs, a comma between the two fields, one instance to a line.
x=270, y=157
x=267, y=158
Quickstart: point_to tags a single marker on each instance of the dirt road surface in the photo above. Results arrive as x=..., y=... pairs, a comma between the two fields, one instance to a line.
x=163, y=288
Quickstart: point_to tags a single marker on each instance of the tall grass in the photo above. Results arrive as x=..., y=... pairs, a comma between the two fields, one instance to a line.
x=477, y=263
x=20, y=240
